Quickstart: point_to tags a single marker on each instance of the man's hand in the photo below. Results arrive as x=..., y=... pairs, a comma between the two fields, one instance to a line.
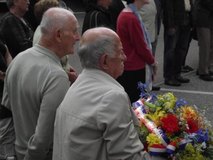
x=154, y=70
x=72, y=74
x=2, y=75
x=146, y=156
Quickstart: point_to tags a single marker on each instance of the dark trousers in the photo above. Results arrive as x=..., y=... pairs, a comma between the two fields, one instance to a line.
x=205, y=41
x=175, y=49
x=129, y=80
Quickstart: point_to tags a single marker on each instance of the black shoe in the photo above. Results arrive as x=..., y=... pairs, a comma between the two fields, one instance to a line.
x=172, y=82
x=211, y=73
x=182, y=80
x=186, y=69
x=206, y=77
x=189, y=68
x=155, y=88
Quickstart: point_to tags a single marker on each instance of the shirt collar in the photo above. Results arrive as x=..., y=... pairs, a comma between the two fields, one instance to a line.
x=47, y=52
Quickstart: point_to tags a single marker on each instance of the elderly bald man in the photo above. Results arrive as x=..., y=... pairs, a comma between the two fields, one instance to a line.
x=95, y=121
x=36, y=83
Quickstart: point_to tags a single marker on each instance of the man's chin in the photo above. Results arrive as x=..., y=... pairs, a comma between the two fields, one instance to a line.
x=71, y=53
x=121, y=73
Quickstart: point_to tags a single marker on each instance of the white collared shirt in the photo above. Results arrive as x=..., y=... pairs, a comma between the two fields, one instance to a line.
x=187, y=5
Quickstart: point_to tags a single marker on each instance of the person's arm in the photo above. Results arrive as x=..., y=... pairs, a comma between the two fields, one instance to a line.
x=120, y=135
x=5, y=98
x=3, y=67
x=40, y=143
x=137, y=39
x=72, y=74
x=24, y=38
x=8, y=57
x=7, y=140
x=7, y=134
x=168, y=9
x=2, y=75
x=17, y=35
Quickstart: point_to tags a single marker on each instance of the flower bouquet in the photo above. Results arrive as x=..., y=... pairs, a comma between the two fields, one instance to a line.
x=172, y=128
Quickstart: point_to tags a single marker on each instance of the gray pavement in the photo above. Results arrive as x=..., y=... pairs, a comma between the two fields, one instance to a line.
x=197, y=92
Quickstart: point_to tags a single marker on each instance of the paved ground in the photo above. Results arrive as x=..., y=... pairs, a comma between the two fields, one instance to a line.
x=197, y=92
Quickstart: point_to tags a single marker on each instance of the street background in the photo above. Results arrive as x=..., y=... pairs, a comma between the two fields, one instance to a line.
x=197, y=92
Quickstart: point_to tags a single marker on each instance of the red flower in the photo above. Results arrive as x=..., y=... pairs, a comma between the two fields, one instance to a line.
x=170, y=124
x=192, y=125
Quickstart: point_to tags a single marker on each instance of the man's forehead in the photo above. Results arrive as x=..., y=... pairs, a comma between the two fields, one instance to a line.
x=94, y=34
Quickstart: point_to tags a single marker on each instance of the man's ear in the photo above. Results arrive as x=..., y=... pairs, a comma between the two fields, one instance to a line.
x=103, y=62
x=58, y=35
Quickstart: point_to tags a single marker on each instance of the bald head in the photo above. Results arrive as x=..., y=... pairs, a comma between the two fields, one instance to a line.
x=59, y=31
x=94, y=43
x=101, y=48
x=55, y=18
x=94, y=34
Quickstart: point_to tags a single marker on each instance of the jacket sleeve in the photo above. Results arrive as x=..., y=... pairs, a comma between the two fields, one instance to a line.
x=5, y=103
x=137, y=39
x=16, y=35
x=7, y=134
x=40, y=143
x=120, y=134
x=168, y=9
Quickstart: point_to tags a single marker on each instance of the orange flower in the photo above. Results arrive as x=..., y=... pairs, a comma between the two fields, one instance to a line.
x=189, y=112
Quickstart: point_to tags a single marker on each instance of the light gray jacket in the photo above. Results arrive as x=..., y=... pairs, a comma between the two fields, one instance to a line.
x=95, y=121
x=35, y=85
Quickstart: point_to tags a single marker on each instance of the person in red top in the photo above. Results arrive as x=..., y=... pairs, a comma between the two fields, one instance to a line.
x=136, y=48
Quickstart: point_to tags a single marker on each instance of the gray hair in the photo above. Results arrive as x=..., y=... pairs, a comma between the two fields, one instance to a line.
x=90, y=53
x=10, y=3
x=54, y=18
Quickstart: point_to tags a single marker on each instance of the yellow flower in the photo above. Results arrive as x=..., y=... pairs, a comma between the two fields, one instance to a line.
x=155, y=117
x=167, y=100
x=169, y=97
x=153, y=139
